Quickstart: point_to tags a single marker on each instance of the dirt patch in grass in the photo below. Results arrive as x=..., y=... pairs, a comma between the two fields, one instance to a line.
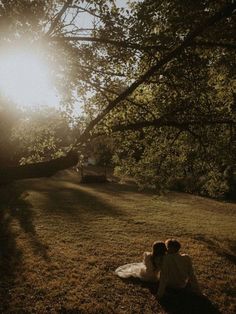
x=61, y=242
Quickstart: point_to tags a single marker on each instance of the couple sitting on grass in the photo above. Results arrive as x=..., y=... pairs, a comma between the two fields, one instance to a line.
x=173, y=271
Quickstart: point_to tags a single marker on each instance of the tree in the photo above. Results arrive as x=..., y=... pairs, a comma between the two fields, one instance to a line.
x=166, y=74
x=188, y=104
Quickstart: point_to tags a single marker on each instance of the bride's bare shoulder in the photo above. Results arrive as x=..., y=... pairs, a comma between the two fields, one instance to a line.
x=147, y=254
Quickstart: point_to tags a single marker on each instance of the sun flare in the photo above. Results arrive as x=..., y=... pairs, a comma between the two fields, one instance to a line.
x=25, y=79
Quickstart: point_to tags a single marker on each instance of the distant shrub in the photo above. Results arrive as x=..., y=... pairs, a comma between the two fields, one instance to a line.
x=215, y=185
x=184, y=184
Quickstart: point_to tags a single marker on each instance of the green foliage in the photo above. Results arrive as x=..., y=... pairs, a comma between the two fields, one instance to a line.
x=43, y=136
x=215, y=185
x=177, y=129
x=192, y=94
x=8, y=147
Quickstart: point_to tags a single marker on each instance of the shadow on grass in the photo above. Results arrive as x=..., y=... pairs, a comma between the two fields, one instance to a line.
x=185, y=302
x=10, y=260
x=21, y=209
x=10, y=255
x=181, y=302
x=73, y=200
x=111, y=187
x=14, y=208
x=217, y=249
x=119, y=189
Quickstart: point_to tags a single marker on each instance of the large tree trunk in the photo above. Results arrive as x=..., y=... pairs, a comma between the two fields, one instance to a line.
x=41, y=169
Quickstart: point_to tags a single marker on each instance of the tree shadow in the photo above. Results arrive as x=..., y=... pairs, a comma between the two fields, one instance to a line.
x=119, y=189
x=231, y=257
x=14, y=208
x=10, y=254
x=78, y=206
x=73, y=200
x=113, y=187
x=178, y=302
x=22, y=210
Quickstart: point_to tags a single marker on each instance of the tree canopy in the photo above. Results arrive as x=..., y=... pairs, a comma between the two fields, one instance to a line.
x=157, y=77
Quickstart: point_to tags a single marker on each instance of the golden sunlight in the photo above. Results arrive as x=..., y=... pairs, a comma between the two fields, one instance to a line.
x=25, y=79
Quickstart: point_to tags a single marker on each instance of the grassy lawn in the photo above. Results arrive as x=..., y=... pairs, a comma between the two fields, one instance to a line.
x=61, y=243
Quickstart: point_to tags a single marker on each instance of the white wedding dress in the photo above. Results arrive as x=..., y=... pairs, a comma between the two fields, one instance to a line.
x=145, y=270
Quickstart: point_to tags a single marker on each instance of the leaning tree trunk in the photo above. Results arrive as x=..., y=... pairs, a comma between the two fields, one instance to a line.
x=41, y=169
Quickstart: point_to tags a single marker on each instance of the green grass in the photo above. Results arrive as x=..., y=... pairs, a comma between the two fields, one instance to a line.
x=61, y=242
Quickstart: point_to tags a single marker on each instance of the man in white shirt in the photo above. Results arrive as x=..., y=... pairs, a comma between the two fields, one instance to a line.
x=176, y=271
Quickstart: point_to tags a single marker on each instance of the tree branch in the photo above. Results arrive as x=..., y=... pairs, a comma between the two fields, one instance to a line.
x=85, y=10
x=211, y=44
x=223, y=13
x=97, y=70
x=58, y=17
x=142, y=106
x=157, y=123
x=120, y=44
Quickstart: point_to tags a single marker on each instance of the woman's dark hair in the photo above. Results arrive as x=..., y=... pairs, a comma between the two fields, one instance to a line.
x=158, y=250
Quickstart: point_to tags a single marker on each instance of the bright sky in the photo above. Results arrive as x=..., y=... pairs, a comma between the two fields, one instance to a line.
x=25, y=78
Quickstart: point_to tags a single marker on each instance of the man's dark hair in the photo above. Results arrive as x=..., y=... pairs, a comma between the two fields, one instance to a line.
x=173, y=245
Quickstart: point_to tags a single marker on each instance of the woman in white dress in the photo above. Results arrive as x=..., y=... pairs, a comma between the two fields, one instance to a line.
x=149, y=269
